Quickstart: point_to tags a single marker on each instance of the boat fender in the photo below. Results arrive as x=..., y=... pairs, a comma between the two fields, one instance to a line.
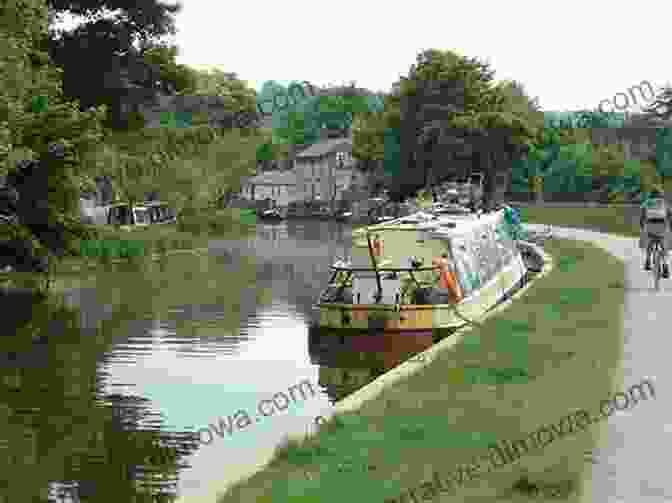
x=448, y=281
x=378, y=247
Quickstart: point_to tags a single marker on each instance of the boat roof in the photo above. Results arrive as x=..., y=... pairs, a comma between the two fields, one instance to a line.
x=380, y=269
x=153, y=203
x=443, y=224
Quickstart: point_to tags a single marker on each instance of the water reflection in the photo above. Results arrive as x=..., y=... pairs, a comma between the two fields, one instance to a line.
x=59, y=426
x=349, y=363
x=105, y=383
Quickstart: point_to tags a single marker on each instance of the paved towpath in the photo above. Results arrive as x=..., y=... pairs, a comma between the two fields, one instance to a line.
x=635, y=458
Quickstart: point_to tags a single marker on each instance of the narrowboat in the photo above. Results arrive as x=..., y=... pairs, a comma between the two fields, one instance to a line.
x=160, y=212
x=343, y=216
x=271, y=214
x=430, y=270
x=127, y=216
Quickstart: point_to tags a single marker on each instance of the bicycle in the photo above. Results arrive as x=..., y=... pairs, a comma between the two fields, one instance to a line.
x=655, y=251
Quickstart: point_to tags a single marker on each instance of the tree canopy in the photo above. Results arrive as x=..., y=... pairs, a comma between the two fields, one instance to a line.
x=125, y=59
x=42, y=195
x=447, y=107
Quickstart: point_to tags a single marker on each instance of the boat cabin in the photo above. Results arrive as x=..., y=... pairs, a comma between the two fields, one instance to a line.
x=124, y=214
x=406, y=264
x=160, y=212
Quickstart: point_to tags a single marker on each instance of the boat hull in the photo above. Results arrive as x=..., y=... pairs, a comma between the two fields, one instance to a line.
x=419, y=318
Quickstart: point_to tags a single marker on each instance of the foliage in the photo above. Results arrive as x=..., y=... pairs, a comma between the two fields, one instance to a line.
x=448, y=107
x=568, y=162
x=146, y=19
x=583, y=119
x=181, y=78
x=237, y=95
x=299, y=120
x=190, y=166
x=109, y=45
x=664, y=151
x=54, y=133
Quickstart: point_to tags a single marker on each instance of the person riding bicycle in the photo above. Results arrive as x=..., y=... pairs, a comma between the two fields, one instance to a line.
x=655, y=220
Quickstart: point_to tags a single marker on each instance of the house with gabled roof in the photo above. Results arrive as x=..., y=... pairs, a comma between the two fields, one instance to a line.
x=325, y=170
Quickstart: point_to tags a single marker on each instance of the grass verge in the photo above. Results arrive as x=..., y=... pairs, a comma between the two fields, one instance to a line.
x=565, y=334
x=616, y=219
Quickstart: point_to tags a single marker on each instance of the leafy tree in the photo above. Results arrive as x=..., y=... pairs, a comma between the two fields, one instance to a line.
x=663, y=158
x=145, y=19
x=175, y=78
x=116, y=70
x=44, y=188
x=239, y=99
x=449, y=107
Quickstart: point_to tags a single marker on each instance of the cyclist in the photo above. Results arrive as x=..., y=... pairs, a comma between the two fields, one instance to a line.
x=655, y=219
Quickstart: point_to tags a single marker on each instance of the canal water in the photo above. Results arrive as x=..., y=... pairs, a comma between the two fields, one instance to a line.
x=176, y=376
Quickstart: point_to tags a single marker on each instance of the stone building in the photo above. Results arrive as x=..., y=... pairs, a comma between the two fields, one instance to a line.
x=325, y=170
x=276, y=186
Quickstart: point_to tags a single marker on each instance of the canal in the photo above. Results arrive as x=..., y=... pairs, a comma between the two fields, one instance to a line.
x=177, y=376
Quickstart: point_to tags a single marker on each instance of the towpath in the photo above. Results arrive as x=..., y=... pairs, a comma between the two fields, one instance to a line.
x=633, y=460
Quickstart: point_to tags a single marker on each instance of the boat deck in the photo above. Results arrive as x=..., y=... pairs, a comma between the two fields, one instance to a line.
x=366, y=286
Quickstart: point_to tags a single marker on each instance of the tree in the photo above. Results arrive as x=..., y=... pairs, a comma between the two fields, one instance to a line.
x=449, y=108
x=173, y=78
x=116, y=72
x=44, y=186
x=663, y=159
x=238, y=98
x=145, y=19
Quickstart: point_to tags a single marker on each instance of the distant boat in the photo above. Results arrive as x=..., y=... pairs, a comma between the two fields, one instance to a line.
x=122, y=214
x=271, y=214
x=160, y=213
x=343, y=216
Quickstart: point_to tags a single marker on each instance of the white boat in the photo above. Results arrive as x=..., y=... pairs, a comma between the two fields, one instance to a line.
x=123, y=215
x=481, y=254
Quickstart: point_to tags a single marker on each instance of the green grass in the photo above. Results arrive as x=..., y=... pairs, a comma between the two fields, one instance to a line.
x=565, y=338
x=616, y=219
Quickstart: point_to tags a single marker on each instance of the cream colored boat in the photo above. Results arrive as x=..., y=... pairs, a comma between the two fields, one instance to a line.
x=380, y=289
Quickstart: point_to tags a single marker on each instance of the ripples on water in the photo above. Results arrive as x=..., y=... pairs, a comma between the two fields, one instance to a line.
x=105, y=383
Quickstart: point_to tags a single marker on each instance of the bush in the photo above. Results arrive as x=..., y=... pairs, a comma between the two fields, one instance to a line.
x=135, y=121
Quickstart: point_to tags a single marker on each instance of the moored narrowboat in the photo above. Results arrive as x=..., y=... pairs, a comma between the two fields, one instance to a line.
x=427, y=271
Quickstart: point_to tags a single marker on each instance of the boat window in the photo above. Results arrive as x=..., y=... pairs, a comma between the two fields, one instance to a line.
x=141, y=215
x=506, y=245
x=120, y=215
x=491, y=258
x=465, y=265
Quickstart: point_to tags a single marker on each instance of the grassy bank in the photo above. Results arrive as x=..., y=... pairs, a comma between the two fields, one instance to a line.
x=565, y=335
x=616, y=219
x=191, y=234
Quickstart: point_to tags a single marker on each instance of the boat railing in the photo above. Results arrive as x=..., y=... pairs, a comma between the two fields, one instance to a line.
x=383, y=269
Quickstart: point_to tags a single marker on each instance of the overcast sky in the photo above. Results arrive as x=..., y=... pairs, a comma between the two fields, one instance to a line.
x=571, y=54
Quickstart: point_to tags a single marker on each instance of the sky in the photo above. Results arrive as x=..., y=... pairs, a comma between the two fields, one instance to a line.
x=571, y=55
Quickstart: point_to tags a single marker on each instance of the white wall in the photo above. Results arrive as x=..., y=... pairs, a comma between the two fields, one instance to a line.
x=282, y=194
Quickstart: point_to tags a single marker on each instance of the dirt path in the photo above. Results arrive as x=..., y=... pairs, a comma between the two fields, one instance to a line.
x=633, y=461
